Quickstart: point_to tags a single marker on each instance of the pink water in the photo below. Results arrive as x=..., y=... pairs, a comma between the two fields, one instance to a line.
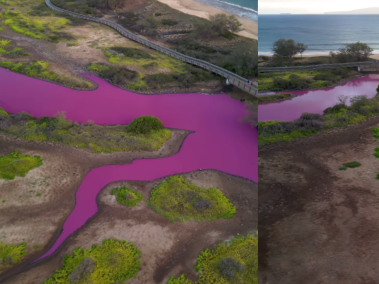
x=315, y=101
x=220, y=141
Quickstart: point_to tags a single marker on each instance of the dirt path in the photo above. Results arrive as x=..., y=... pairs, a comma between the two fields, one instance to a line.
x=37, y=219
x=318, y=224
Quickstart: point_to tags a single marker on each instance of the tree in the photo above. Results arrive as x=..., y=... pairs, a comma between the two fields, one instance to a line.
x=358, y=51
x=285, y=48
x=221, y=24
x=301, y=47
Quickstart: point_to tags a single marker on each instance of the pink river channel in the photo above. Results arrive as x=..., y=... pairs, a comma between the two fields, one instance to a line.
x=315, y=101
x=220, y=141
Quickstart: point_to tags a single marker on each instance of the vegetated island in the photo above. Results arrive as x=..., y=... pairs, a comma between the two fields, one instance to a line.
x=144, y=133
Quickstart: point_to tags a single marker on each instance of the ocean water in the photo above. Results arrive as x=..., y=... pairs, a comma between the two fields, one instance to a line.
x=243, y=8
x=322, y=33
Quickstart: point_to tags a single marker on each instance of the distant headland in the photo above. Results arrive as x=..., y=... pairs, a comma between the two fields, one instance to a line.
x=366, y=11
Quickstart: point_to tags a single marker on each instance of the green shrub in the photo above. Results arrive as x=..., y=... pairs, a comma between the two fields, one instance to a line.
x=234, y=262
x=177, y=199
x=132, y=52
x=144, y=125
x=117, y=75
x=127, y=196
x=3, y=112
x=113, y=261
x=352, y=164
x=11, y=254
x=16, y=164
x=169, y=22
x=376, y=154
x=376, y=132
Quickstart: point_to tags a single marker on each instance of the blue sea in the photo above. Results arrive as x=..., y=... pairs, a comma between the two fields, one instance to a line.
x=243, y=8
x=322, y=33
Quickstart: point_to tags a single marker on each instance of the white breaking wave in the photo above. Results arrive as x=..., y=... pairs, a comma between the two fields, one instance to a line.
x=233, y=8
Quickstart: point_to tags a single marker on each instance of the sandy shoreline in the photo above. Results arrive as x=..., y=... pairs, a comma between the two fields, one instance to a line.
x=203, y=10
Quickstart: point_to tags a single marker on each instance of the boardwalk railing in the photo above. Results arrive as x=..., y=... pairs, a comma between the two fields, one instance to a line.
x=234, y=79
x=364, y=66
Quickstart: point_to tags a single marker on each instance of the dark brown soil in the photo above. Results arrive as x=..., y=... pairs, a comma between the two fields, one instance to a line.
x=167, y=248
x=318, y=224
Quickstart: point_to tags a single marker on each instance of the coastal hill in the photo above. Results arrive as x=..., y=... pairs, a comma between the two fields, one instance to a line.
x=365, y=11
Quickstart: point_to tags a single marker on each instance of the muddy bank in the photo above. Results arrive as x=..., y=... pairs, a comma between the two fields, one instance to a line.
x=167, y=249
x=38, y=220
x=318, y=224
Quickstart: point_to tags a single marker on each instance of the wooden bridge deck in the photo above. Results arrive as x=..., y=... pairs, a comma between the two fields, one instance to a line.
x=234, y=79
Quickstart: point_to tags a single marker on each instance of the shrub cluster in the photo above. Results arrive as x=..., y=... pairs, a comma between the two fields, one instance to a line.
x=97, y=138
x=233, y=262
x=113, y=261
x=144, y=125
x=11, y=254
x=16, y=164
x=177, y=199
x=337, y=116
x=118, y=75
x=350, y=165
x=127, y=196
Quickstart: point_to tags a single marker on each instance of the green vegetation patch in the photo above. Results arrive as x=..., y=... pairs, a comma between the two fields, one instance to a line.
x=46, y=28
x=40, y=69
x=300, y=80
x=113, y=261
x=3, y=112
x=337, y=116
x=16, y=164
x=233, y=262
x=350, y=165
x=376, y=154
x=144, y=125
x=11, y=254
x=97, y=138
x=177, y=199
x=274, y=98
x=376, y=132
x=127, y=196
x=8, y=51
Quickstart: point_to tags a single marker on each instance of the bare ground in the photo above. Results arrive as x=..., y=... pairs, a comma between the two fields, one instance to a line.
x=318, y=224
x=167, y=248
x=37, y=219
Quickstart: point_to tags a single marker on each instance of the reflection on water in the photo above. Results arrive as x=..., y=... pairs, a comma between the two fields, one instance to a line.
x=315, y=101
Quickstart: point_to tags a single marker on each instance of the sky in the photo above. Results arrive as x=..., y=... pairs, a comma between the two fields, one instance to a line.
x=312, y=6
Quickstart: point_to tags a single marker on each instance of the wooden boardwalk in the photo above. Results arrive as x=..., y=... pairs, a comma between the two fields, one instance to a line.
x=367, y=66
x=234, y=79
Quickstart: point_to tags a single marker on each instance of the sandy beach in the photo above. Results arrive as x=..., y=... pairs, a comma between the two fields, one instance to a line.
x=203, y=10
